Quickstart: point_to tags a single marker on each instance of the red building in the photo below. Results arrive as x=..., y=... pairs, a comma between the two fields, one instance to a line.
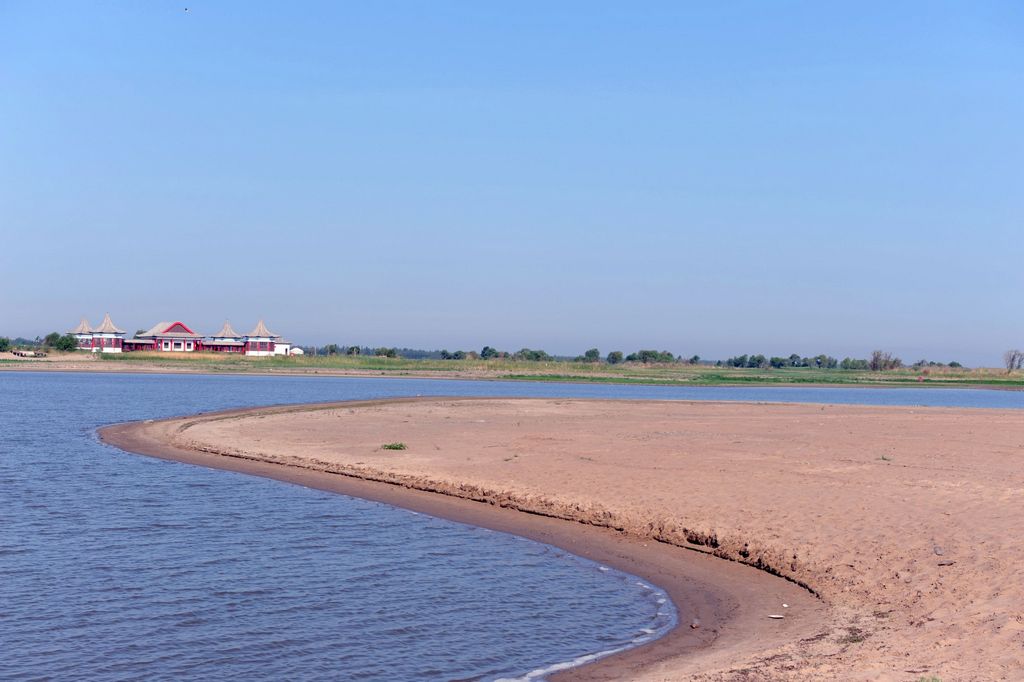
x=106, y=338
x=171, y=337
x=177, y=337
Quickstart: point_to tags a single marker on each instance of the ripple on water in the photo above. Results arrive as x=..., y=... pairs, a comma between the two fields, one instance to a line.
x=121, y=567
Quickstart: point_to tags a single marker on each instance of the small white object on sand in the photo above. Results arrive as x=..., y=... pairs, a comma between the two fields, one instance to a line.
x=776, y=616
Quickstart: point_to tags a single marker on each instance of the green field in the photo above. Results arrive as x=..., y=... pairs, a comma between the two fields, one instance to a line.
x=666, y=374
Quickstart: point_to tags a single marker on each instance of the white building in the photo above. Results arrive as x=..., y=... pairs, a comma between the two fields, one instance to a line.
x=227, y=340
x=261, y=342
x=107, y=338
x=83, y=335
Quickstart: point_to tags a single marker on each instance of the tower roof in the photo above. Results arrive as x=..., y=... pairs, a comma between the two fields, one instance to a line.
x=107, y=327
x=227, y=332
x=261, y=330
x=82, y=328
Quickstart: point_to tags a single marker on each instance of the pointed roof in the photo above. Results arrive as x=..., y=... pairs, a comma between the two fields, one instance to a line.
x=227, y=332
x=82, y=328
x=107, y=327
x=261, y=330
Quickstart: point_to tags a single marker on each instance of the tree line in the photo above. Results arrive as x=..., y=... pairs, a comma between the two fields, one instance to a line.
x=335, y=349
x=794, y=360
x=879, y=361
x=52, y=341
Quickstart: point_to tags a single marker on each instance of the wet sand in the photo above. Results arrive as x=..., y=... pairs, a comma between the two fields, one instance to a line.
x=903, y=520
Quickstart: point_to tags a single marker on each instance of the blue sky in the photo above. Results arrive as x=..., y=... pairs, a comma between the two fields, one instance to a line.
x=717, y=179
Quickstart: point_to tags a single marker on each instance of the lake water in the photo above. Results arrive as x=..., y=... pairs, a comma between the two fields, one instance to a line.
x=114, y=566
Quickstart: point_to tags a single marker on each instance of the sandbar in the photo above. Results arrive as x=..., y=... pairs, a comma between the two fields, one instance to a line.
x=891, y=533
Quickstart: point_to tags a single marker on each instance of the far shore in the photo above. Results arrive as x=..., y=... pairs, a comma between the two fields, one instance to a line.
x=655, y=374
x=902, y=520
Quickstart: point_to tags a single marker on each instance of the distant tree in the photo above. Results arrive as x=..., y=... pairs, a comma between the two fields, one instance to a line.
x=695, y=359
x=352, y=350
x=140, y=332
x=757, y=361
x=386, y=352
x=592, y=355
x=51, y=339
x=445, y=355
x=459, y=355
x=853, y=363
x=487, y=353
x=955, y=364
x=826, y=361
x=778, y=362
x=795, y=361
x=66, y=343
x=651, y=356
x=332, y=349
x=5, y=344
x=532, y=355
x=1013, y=359
x=881, y=361
x=615, y=357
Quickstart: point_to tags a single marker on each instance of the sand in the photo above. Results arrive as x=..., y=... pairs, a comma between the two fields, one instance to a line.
x=904, y=522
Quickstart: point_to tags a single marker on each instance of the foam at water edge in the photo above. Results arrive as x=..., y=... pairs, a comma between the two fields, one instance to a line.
x=646, y=635
x=540, y=673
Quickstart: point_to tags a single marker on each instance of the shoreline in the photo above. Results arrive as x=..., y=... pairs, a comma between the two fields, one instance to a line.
x=729, y=600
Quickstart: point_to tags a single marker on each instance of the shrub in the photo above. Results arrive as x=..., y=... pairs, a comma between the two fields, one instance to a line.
x=66, y=343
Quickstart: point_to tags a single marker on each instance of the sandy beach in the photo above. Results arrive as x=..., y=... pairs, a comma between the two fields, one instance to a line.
x=902, y=522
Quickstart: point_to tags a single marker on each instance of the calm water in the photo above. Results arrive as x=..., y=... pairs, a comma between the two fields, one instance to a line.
x=121, y=567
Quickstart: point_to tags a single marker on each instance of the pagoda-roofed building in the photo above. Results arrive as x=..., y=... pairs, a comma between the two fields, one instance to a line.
x=172, y=337
x=261, y=341
x=107, y=338
x=83, y=335
x=177, y=337
x=227, y=340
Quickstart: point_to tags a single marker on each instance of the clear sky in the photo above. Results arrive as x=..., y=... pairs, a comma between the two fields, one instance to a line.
x=709, y=178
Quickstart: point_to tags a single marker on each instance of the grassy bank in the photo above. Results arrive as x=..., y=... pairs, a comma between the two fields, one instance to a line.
x=666, y=374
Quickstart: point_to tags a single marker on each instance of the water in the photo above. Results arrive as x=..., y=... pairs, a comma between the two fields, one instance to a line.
x=121, y=567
